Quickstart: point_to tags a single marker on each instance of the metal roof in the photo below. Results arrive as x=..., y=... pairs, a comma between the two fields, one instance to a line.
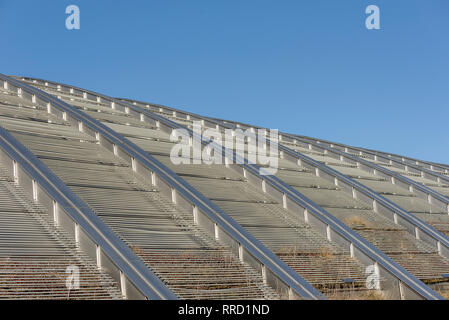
x=99, y=170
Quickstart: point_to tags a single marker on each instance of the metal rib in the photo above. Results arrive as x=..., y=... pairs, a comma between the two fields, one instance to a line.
x=442, y=265
x=431, y=182
x=273, y=263
x=35, y=254
x=65, y=206
x=435, y=233
x=93, y=176
x=435, y=167
x=358, y=151
x=330, y=263
x=129, y=106
x=428, y=180
x=430, y=195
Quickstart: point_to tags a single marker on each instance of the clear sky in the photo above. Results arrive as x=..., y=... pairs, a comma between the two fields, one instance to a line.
x=307, y=67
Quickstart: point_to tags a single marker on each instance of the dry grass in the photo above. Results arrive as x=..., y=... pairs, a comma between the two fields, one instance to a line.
x=371, y=295
x=357, y=295
x=444, y=294
x=356, y=221
x=325, y=253
x=287, y=250
x=137, y=250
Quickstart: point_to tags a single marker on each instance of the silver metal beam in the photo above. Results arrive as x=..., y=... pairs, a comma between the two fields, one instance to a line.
x=382, y=205
x=426, y=232
x=443, y=167
x=293, y=200
x=359, y=247
x=95, y=238
x=249, y=249
x=434, y=167
x=399, y=163
x=438, y=167
x=388, y=208
x=422, y=191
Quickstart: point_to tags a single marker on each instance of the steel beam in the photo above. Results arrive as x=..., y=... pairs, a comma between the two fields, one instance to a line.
x=278, y=274
x=409, y=286
x=95, y=239
x=437, y=167
x=388, y=159
x=381, y=205
x=422, y=191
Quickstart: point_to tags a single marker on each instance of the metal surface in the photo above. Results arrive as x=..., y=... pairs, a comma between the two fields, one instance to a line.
x=68, y=211
x=35, y=254
x=125, y=207
x=436, y=167
x=229, y=229
x=129, y=107
x=410, y=264
x=436, y=202
x=436, y=184
x=411, y=222
x=324, y=265
x=437, y=239
x=426, y=179
x=134, y=214
x=434, y=199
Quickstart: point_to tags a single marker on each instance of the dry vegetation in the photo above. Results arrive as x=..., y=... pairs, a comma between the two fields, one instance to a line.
x=325, y=253
x=356, y=221
x=357, y=295
x=444, y=294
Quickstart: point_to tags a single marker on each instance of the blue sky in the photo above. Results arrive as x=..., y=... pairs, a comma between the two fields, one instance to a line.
x=307, y=67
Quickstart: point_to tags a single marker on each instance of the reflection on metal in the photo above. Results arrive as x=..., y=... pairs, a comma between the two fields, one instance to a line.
x=416, y=222
x=35, y=253
x=292, y=194
x=363, y=152
x=306, y=168
x=277, y=274
x=65, y=209
x=432, y=168
x=417, y=227
x=440, y=202
x=437, y=203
